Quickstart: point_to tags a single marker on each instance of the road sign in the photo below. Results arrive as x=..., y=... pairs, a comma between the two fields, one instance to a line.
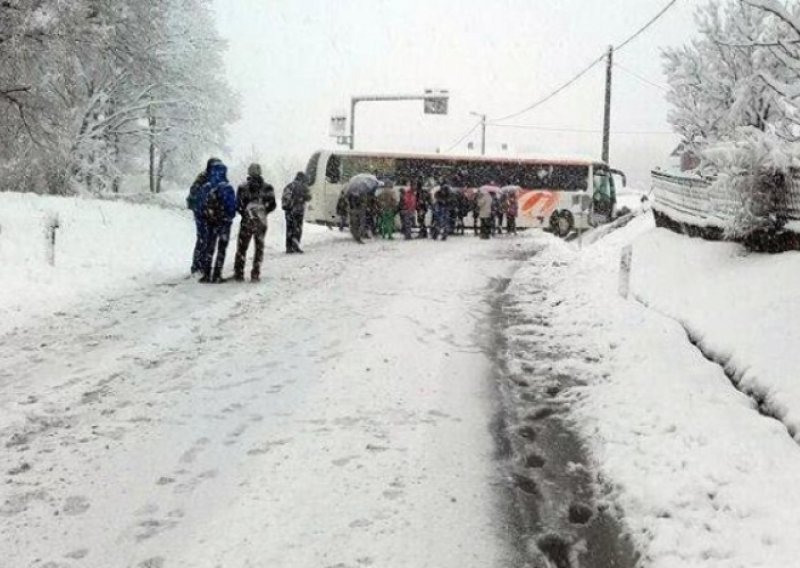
x=436, y=105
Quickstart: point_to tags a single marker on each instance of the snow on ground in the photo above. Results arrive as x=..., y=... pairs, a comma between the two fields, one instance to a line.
x=702, y=478
x=742, y=309
x=633, y=199
x=336, y=414
x=102, y=247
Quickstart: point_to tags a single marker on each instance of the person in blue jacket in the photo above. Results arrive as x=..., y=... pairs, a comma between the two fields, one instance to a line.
x=217, y=210
x=195, y=198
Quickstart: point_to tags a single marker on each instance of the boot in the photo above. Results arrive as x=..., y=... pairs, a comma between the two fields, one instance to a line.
x=217, y=277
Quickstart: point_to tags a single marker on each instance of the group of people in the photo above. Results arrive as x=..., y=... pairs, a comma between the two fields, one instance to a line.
x=215, y=205
x=369, y=206
x=436, y=210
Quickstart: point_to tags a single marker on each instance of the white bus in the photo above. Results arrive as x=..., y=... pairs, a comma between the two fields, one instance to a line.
x=559, y=194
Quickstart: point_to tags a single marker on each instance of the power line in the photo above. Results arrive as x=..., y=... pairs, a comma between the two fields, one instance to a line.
x=552, y=94
x=620, y=46
x=640, y=78
x=464, y=137
x=641, y=30
x=581, y=130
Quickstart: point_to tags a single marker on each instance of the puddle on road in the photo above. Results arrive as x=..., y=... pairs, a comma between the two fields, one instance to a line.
x=554, y=513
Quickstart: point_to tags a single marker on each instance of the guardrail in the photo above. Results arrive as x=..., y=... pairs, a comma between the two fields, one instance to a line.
x=697, y=206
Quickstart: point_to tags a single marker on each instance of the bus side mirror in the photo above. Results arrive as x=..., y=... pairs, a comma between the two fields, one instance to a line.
x=622, y=175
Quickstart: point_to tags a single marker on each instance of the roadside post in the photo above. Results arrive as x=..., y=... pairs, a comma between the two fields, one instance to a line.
x=626, y=259
x=51, y=225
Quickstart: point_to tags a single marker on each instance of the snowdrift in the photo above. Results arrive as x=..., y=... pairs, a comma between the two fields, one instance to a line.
x=742, y=309
x=100, y=246
x=701, y=476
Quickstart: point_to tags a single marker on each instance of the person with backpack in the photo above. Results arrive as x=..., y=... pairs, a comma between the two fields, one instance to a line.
x=218, y=209
x=193, y=201
x=255, y=199
x=293, y=203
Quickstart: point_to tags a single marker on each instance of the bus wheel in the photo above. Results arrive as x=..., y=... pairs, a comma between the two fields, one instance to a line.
x=562, y=223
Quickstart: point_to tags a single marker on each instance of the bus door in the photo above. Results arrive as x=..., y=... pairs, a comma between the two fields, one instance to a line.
x=603, y=197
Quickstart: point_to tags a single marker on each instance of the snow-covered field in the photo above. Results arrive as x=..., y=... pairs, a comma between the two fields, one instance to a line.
x=703, y=479
x=102, y=248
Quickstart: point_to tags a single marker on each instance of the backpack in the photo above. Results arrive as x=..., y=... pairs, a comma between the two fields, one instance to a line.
x=213, y=209
x=287, y=199
x=256, y=212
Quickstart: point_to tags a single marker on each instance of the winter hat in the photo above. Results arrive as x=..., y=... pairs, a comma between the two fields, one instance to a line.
x=211, y=162
x=254, y=170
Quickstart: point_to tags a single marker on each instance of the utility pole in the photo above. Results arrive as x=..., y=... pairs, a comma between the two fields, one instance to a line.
x=483, y=131
x=483, y=135
x=607, y=117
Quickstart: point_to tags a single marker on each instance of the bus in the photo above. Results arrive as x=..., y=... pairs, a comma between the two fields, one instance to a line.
x=561, y=195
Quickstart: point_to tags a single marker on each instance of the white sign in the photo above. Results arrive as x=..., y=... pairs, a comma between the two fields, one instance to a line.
x=338, y=126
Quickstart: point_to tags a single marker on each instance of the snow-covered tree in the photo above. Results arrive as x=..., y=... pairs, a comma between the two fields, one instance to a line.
x=733, y=103
x=717, y=82
x=92, y=90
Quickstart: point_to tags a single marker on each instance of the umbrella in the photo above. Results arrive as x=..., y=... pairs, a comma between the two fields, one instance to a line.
x=363, y=184
x=510, y=189
x=489, y=189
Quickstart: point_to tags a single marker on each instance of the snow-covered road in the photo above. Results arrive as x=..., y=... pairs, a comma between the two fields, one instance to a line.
x=335, y=415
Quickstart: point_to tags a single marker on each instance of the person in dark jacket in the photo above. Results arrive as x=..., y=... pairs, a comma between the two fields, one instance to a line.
x=193, y=200
x=342, y=210
x=255, y=199
x=218, y=209
x=293, y=203
x=441, y=213
x=461, y=208
x=423, y=205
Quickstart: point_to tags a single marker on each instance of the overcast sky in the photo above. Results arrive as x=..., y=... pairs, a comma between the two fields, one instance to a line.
x=294, y=62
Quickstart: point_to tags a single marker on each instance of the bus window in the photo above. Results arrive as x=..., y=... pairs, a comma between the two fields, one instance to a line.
x=311, y=168
x=377, y=165
x=333, y=170
x=556, y=177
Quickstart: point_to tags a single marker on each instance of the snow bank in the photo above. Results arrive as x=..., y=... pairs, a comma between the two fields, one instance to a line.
x=701, y=477
x=99, y=245
x=102, y=247
x=742, y=309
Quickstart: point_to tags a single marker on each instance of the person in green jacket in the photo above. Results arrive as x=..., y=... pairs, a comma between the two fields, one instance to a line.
x=387, y=207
